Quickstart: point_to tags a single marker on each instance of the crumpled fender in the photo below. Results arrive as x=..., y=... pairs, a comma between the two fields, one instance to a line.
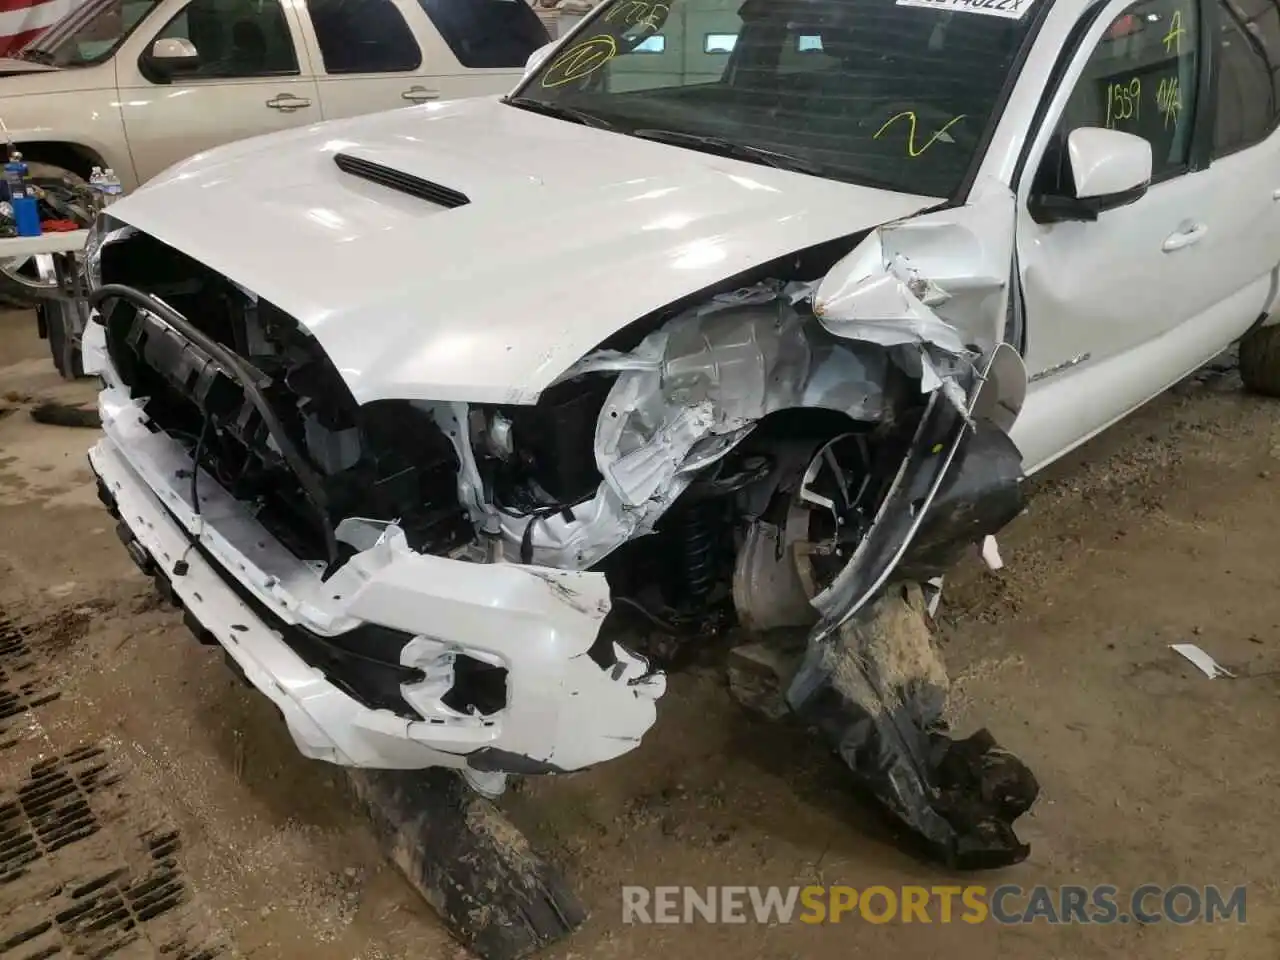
x=934, y=289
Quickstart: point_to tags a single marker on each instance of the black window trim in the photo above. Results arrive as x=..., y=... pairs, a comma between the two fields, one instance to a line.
x=1218, y=6
x=151, y=76
x=1039, y=13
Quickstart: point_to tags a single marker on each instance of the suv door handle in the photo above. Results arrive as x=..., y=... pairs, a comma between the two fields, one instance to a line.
x=288, y=102
x=1275, y=194
x=420, y=94
x=1186, y=235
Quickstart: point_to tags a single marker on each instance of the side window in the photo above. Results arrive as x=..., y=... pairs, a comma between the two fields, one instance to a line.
x=1142, y=78
x=488, y=33
x=234, y=38
x=1248, y=73
x=363, y=36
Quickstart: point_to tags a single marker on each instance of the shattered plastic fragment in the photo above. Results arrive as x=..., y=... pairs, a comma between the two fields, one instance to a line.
x=1205, y=663
x=991, y=553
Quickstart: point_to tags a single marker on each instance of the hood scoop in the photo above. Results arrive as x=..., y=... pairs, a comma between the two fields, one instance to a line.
x=400, y=181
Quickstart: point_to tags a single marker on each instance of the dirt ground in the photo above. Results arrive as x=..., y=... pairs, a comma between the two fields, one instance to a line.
x=163, y=790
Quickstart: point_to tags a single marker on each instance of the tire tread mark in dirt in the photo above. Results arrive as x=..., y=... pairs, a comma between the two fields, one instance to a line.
x=102, y=916
x=18, y=693
x=51, y=809
x=108, y=913
x=97, y=875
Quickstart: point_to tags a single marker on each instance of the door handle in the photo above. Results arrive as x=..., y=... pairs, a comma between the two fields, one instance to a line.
x=419, y=94
x=1185, y=236
x=1275, y=194
x=287, y=102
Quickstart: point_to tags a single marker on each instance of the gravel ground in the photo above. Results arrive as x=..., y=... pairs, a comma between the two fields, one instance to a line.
x=173, y=818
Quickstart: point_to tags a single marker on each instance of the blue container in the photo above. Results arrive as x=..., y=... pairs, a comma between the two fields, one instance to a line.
x=15, y=175
x=26, y=216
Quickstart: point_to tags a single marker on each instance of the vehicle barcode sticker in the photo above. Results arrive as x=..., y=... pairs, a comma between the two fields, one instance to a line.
x=1009, y=9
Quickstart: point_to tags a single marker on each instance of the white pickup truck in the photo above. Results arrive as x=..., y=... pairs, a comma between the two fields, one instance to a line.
x=137, y=85
x=733, y=310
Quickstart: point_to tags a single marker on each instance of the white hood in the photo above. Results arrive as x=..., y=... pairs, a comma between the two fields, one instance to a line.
x=571, y=233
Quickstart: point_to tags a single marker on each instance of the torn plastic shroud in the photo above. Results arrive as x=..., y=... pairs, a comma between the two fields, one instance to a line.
x=961, y=797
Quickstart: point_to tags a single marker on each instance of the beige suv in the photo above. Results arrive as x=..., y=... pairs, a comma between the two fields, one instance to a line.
x=136, y=85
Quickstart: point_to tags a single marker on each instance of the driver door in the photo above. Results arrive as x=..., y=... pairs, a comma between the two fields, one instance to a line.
x=250, y=75
x=1121, y=307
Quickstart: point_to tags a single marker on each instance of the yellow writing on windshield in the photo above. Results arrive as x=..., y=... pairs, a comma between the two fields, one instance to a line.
x=633, y=12
x=1173, y=39
x=1169, y=100
x=580, y=60
x=910, y=117
x=1124, y=102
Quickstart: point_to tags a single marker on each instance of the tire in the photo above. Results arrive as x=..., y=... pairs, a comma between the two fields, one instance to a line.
x=68, y=197
x=1260, y=361
x=55, y=324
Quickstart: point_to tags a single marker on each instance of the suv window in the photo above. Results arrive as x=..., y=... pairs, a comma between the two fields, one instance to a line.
x=890, y=94
x=363, y=36
x=1142, y=78
x=1248, y=73
x=488, y=33
x=235, y=38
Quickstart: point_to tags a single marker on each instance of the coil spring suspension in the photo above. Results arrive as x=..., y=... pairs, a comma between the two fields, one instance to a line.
x=699, y=530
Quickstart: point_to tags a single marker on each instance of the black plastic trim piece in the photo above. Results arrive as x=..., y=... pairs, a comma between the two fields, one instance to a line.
x=247, y=379
x=400, y=181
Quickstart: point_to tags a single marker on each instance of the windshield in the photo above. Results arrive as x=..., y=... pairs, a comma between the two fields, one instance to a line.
x=89, y=34
x=890, y=93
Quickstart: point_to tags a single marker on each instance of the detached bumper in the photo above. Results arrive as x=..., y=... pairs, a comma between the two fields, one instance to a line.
x=362, y=665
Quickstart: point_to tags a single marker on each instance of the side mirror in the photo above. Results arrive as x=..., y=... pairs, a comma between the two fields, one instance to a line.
x=172, y=55
x=538, y=56
x=1104, y=169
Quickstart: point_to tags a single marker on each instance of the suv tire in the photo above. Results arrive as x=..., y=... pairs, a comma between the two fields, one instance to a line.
x=1260, y=361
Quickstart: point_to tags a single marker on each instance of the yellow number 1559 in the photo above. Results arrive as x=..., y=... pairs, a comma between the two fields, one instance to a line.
x=1124, y=101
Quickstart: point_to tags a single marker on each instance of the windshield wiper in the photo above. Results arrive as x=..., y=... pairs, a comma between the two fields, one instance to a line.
x=730, y=148
x=559, y=111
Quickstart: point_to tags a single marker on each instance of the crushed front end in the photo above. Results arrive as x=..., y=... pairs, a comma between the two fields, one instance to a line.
x=436, y=583
x=324, y=547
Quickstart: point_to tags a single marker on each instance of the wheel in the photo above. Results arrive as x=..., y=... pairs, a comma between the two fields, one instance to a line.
x=69, y=363
x=66, y=196
x=1260, y=361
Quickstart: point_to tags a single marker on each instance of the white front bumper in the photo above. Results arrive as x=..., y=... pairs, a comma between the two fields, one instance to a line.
x=563, y=710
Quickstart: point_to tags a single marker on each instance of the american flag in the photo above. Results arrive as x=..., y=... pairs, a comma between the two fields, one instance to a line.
x=24, y=20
